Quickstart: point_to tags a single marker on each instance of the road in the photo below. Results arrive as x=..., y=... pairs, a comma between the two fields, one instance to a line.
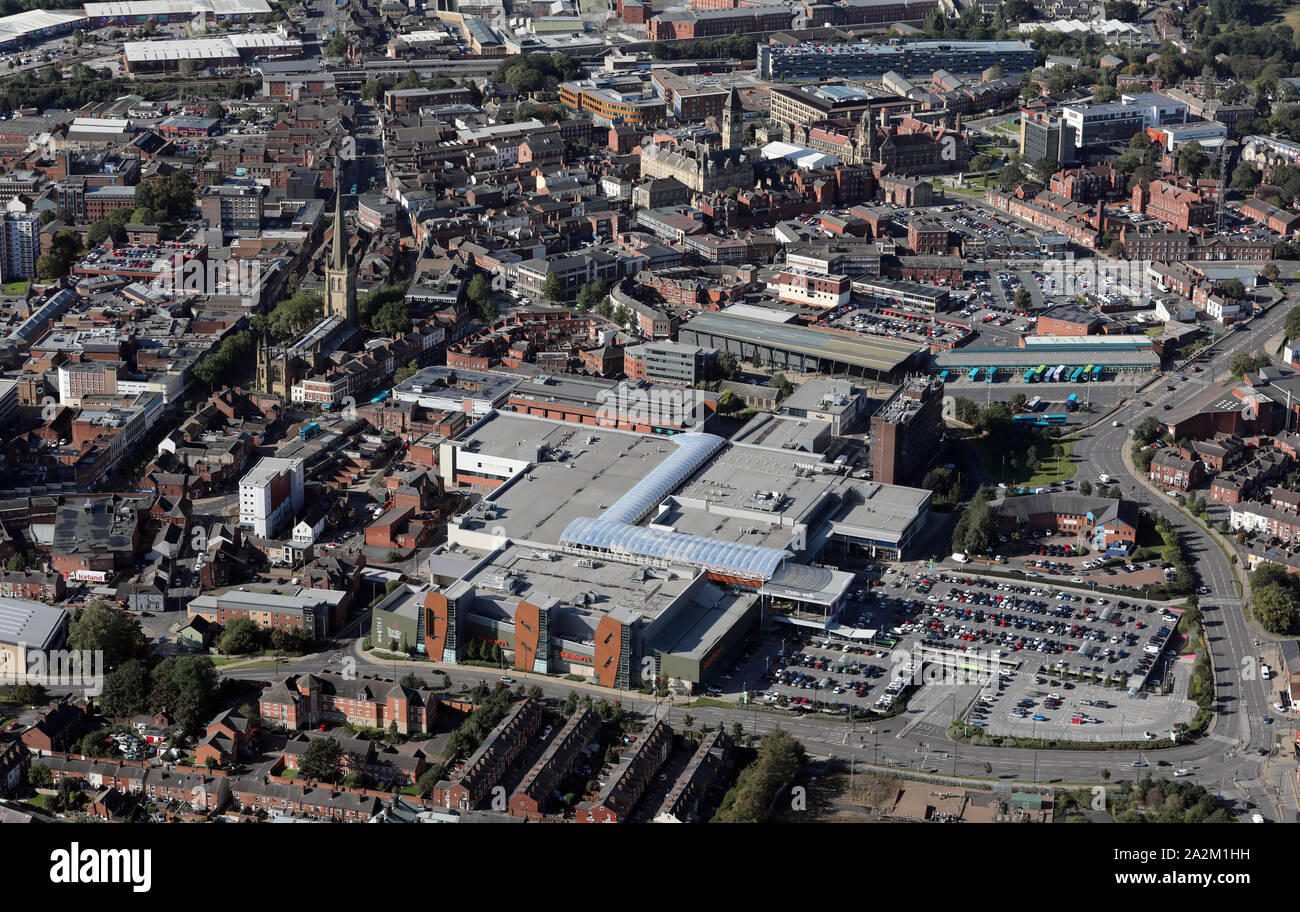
x=1226, y=761
x=1241, y=703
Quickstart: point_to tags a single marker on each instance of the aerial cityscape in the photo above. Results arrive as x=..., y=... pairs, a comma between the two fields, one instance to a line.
x=649, y=411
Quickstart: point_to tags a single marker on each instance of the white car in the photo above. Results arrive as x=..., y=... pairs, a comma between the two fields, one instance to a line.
x=1279, y=707
x=1182, y=772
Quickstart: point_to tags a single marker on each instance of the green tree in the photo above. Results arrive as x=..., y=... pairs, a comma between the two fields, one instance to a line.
x=749, y=801
x=186, y=687
x=479, y=290
x=337, y=46
x=98, y=627
x=552, y=287
x=406, y=373
x=729, y=365
x=976, y=530
x=126, y=690
x=1275, y=608
x=240, y=637
x=39, y=776
x=781, y=384
x=293, y=316
x=1244, y=178
x=1233, y=288
x=1192, y=159
x=1243, y=363
x=373, y=91
x=322, y=760
x=1293, y=323
x=1085, y=487
x=392, y=318
x=1023, y=299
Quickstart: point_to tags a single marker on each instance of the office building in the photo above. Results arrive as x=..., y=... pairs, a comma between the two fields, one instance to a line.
x=669, y=362
x=270, y=494
x=906, y=432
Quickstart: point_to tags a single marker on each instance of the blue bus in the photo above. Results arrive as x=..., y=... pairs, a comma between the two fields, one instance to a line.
x=992, y=371
x=1096, y=372
x=382, y=396
x=973, y=375
x=943, y=377
x=1029, y=376
x=1038, y=420
x=309, y=431
x=1074, y=377
x=1073, y=402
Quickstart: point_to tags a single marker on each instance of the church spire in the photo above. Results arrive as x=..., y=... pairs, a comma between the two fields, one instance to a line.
x=338, y=260
x=340, y=283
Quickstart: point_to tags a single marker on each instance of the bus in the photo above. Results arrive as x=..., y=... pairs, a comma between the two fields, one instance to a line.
x=1096, y=372
x=1039, y=371
x=1073, y=402
x=943, y=377
x=1029, y=375
x=992, y=371
x=973, y=375
x=1087, y=372
x=309, y=431
x=1053, y=419
x=382, y=396
x=1076, y=374
x=1060, y=373
x=1033, y=404
x=1025, y=419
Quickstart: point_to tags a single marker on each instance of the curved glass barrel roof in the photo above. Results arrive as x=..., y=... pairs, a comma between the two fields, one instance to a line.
x=693, y=450
x=695, y=550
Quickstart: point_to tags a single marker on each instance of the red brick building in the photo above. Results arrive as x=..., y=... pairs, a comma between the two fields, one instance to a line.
x=1068, y=320
x=473, y=782
x=1177, y=468
x=1179, y=207
x=301, y=701
x=630, y=780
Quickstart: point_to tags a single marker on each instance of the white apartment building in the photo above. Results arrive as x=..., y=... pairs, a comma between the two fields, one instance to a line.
x=20, y=245
x=270, y=494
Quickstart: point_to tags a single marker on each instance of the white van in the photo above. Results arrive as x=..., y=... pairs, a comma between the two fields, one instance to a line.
x=1265, y=672
x=960, y=558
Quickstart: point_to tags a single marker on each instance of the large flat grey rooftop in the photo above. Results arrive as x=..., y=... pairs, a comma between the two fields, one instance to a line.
x=534, y=577
x=841, y=347
x=589, y=478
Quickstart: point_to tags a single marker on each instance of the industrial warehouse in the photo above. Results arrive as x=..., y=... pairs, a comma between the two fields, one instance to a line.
x=803, y=348
x=670, y=552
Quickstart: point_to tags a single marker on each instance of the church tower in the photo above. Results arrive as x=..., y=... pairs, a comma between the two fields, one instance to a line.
x=733, y=122
x=340, y=282
x=867, y=137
